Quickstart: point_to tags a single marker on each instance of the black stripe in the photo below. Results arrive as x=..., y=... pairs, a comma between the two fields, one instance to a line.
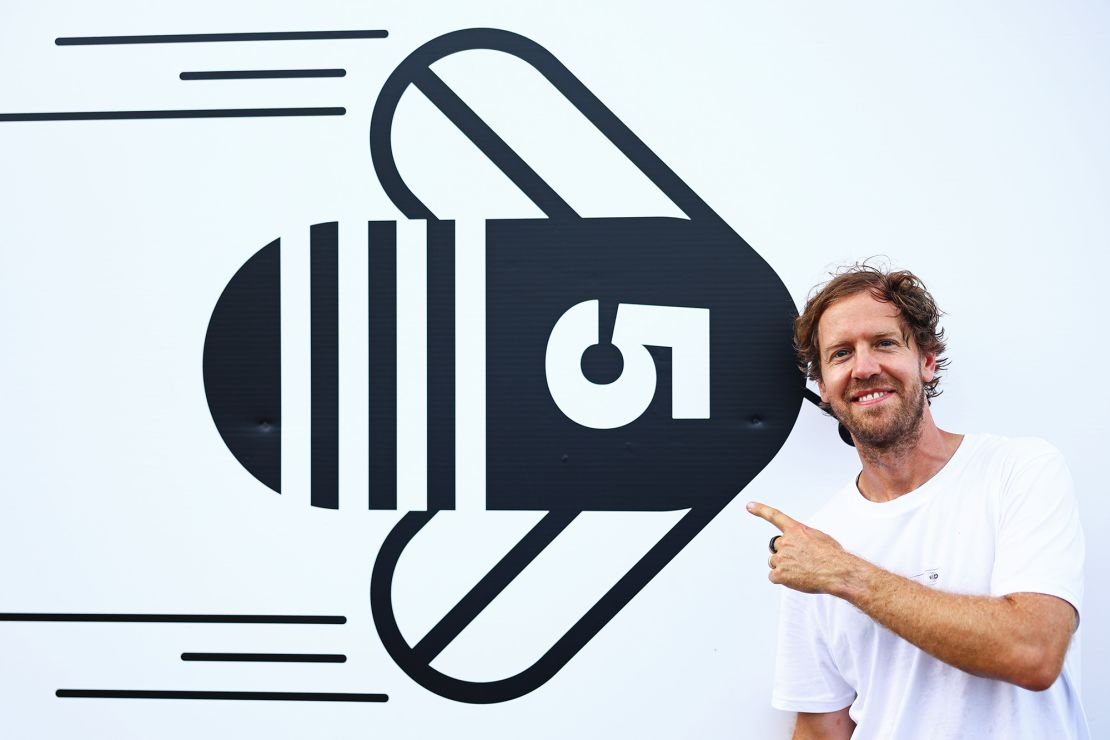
x=226, y=695
x=266, y=657
x=262, y=74
x=177, y=618
x=324, y=279
x=441, y=365
x=382, y=237
x=492, y=583
x=119, y=115
x=492, y=145
x=188, y=38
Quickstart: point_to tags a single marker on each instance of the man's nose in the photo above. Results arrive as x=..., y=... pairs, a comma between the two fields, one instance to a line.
x=865, y=365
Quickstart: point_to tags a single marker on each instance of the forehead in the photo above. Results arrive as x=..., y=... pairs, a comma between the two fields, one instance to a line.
x=859, y=315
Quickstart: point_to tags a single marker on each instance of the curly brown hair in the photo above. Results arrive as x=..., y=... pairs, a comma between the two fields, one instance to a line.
x=918, y=314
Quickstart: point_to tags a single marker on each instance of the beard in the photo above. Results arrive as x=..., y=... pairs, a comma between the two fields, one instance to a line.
x=891, y=428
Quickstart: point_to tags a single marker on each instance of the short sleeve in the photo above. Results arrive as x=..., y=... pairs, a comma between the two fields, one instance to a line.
x=806, y=679
x=1040, y=547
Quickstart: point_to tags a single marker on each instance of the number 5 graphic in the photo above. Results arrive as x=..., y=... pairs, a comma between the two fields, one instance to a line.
x=684, y=330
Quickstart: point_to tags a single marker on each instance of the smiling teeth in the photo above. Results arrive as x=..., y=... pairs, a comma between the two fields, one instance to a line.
x=870, y=396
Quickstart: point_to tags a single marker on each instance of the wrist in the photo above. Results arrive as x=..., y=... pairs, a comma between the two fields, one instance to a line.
x=855, y=581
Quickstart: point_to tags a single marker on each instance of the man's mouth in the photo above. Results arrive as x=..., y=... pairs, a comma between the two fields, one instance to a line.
x=868, y=398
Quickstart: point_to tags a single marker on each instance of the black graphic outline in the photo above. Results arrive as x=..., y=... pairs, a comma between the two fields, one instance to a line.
x=224, y=695
x=558, y=655
x=172, y=618
x=415, y=70
x=381, y=282
x=440, y=364
x=324, y=361
x=184, y=38
x=511, y=164
x=121, y=115
x=262, y=74
x=265, y=657
x=193, y=38
x=414, y=660
x=492, y=584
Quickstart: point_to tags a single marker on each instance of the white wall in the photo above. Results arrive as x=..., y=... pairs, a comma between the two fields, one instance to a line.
x=964, y=142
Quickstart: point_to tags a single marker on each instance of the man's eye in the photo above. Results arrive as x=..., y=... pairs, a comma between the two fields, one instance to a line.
x=887, y=343
x=840, y=354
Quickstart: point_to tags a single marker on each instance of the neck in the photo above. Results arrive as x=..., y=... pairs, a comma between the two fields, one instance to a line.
x=891, y=472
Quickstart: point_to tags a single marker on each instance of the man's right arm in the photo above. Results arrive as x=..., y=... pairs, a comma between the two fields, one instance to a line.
x=824, y=725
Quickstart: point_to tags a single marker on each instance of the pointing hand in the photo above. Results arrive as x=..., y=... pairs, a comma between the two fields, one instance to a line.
x=806, y=559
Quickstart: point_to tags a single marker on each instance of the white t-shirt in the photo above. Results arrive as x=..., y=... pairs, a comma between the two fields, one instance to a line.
x=999, y=518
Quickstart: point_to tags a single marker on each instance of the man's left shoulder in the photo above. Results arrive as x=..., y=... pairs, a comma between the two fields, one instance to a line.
x=1014, y=451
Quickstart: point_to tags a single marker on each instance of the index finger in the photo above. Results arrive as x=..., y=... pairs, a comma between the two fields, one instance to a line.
x=771, y=514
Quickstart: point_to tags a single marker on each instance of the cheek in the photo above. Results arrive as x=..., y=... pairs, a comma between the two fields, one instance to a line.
x=831, y=385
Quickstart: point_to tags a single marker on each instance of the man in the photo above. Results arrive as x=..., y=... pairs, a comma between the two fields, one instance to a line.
x=936, y=595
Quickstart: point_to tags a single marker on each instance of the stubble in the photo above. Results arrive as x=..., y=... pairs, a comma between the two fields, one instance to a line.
x=886, y=435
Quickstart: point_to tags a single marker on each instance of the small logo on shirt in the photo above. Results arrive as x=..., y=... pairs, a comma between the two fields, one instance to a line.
x=928, y=577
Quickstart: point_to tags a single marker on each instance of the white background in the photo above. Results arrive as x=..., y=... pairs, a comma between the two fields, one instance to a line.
x=965, y=142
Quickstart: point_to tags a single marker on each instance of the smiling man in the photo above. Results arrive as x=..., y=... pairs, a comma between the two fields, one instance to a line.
x=936, y=595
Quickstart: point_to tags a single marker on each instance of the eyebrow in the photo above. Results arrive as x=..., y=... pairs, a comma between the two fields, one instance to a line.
x=873, y=337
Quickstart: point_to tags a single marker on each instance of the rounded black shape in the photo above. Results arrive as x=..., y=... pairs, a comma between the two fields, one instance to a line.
x=242, y=365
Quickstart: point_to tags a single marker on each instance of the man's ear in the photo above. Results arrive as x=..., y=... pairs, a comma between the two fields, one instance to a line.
x=928, y=366
x=821, y=388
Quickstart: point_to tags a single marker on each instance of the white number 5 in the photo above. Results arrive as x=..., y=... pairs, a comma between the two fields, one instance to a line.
x=684, y=330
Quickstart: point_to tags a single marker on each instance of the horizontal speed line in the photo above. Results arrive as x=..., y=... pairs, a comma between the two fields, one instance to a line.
x=267, y=657
x=262, y=74
x=182, y=618
x=116, y=115
x=226, y=695
x=190, y=38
